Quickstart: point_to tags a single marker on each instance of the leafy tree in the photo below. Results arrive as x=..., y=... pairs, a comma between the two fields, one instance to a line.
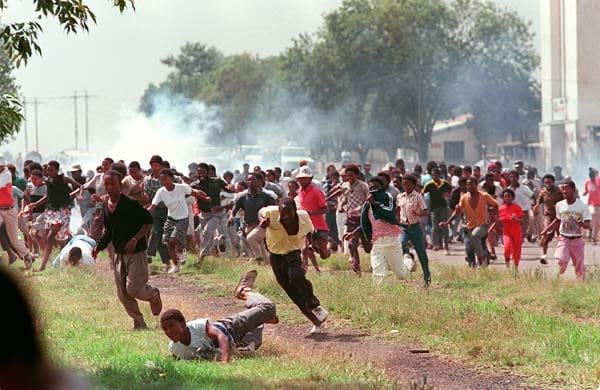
x=10, y=108
x=20, y=41
x=396, y=67
x=496, y=81
x=238, y=84
x=190, y=75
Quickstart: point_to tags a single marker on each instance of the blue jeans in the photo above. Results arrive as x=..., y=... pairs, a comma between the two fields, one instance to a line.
x=414, y=234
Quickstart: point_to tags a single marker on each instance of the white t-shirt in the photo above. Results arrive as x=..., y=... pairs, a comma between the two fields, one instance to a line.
x=198, y=339
x=569, y=214
x=174, y=200
x=86, y=247
x=523, y=197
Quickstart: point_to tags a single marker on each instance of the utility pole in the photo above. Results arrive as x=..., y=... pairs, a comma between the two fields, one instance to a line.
x=35, y=106
x=75, y=112
x=25, y=124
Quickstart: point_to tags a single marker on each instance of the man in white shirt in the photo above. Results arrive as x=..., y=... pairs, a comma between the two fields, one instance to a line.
x=175, y=230
x=77, y=251
x=203, y=339
x=572, y=216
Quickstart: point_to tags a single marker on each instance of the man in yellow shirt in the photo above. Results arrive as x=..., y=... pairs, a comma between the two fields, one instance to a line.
x=286, y=230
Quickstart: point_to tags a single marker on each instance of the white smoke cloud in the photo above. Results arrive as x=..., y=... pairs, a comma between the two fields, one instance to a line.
x=176, y=130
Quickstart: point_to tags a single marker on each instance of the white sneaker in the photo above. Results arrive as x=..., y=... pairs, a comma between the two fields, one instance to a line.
x=409, y=262
x=316, y=329
x=320, y=313
x=170, y=268
x=182, y=256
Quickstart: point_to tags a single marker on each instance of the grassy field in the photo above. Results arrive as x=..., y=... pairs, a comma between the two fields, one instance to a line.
x=537, y=326
x=542, y=327
x=85, y=328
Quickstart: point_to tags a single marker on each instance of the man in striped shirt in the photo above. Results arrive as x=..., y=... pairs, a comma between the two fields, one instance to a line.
x=411, y=207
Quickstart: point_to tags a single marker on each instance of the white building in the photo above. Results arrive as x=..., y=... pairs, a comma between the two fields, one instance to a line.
x=570, y=80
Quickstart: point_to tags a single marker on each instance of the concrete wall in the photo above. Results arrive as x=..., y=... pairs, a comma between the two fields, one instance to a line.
x=570, y=69
x=457, y=133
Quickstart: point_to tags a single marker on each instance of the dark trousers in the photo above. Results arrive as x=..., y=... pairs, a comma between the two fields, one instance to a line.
x=414, y=234
x=330, y=219
x=351, y=224
x=439, y=234
x=159, y=216
x=470, y=258
x=292, y=278
x=247, y=326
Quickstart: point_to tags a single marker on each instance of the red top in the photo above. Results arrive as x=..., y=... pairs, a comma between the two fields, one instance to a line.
x=383, y=228
x=506, y=212
x=313, y=199
x=6, y=198
x=593, y=190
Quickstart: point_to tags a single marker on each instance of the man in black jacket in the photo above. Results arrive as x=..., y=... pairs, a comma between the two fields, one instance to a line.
x=126, y=225
x=378, y=223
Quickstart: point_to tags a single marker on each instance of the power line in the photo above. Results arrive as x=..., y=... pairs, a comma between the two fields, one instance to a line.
x=45, y=100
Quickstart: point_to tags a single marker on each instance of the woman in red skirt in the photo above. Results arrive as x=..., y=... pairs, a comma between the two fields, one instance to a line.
x=510, y=215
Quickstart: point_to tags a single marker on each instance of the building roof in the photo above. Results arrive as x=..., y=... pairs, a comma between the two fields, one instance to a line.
x=450, y=123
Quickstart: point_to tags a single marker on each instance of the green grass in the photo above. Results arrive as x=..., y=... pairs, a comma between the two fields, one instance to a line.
x=542, y=327
x=85, y=328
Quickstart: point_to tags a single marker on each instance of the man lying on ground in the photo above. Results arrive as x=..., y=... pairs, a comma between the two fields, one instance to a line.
x=202, y=339
x=77, y=251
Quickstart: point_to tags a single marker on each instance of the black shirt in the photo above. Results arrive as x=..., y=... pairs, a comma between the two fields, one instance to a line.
x=213, y=188
x=120, y=226
x=436, y=193
x=252, y=203
x=58, y=192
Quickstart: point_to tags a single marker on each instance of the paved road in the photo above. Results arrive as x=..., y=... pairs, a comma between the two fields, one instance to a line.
x=530, y=258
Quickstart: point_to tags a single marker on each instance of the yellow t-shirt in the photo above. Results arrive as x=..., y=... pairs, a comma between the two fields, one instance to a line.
x=278, y=240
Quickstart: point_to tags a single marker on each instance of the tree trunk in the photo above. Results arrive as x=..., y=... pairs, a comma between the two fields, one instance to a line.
x=423, y=150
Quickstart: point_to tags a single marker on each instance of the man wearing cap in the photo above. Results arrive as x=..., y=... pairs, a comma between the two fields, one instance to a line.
x=312, y=200
x=519, y=167
x=9, y=215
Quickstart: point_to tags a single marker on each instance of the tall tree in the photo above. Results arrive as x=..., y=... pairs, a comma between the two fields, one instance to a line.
x=190, y=74
x=496, y=78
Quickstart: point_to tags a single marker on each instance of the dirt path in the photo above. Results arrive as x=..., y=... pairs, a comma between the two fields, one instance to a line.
x=397, y=360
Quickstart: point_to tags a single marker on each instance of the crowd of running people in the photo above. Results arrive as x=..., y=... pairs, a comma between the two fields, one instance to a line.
x=286, y=219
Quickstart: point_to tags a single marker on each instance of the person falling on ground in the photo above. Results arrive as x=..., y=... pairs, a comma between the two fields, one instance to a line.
x=203, y=339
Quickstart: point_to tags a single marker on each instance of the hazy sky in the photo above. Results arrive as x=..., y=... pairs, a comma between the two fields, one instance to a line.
x=121, y=55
